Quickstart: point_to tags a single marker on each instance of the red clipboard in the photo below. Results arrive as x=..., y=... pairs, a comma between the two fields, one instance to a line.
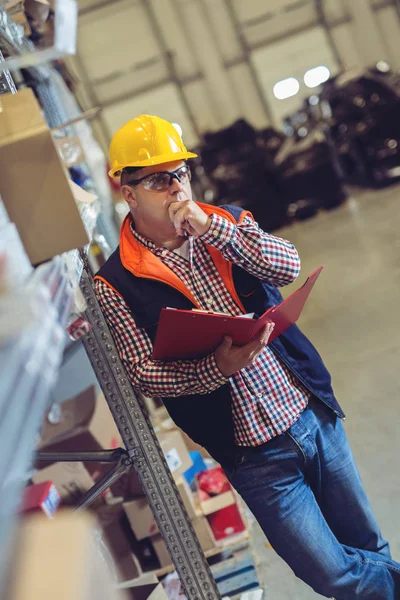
x=187, y=334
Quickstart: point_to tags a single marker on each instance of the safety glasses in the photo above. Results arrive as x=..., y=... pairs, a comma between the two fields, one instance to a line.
x=162, y=180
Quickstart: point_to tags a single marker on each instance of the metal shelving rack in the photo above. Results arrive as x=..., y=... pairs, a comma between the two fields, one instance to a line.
x=144, y=453
x=29, y=363
x=142, y=450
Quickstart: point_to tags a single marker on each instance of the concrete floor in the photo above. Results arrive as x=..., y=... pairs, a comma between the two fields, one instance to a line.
x=353, y=317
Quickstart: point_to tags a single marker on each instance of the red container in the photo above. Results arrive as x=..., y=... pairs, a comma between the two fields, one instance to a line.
x=226, y=522
x=41, y=497
x=213, y=481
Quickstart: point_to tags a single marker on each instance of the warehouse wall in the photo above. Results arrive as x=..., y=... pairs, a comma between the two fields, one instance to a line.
x=205, y=63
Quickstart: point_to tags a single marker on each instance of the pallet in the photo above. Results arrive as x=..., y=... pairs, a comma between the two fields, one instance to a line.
x=236, y=575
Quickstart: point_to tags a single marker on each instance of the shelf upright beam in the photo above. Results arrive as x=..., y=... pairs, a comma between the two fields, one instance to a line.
x=7, y=84
x=143, y=447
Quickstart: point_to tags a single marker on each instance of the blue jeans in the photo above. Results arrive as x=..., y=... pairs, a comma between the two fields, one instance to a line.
x=304, y=489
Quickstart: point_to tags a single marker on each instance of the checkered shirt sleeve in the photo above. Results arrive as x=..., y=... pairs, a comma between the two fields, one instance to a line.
x=154, y=378
x=267, y=257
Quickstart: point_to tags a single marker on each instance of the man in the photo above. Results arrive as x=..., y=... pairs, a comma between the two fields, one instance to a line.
x=267, y=413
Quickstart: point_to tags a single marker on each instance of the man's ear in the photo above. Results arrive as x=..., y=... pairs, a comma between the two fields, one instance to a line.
x=128, y=194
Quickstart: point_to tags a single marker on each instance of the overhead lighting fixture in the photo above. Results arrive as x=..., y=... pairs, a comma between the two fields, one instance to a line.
x=286, y=88
x=314, y=77
x=383, y=66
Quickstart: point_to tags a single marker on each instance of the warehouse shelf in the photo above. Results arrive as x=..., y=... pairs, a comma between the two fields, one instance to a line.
x=12, y=38
x=38, y=314
x=23, y=53
x=29, y=360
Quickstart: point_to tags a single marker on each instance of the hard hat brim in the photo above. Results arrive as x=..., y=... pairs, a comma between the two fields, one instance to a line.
x=157, y=160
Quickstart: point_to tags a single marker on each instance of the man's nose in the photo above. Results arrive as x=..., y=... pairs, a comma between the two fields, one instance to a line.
x=175, y=186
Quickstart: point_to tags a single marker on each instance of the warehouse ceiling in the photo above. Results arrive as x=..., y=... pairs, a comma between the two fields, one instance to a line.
x=205, y=63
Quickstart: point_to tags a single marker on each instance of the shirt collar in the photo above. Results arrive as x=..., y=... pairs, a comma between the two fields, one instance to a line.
x=149, y=244
x=143, y=240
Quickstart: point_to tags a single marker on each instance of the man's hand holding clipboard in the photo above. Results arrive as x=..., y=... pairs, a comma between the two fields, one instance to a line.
x=186, y=334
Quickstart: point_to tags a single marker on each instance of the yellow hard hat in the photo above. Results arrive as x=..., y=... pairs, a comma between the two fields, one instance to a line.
x=146, y=141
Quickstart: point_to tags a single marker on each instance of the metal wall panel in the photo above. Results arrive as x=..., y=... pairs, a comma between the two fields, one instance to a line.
x=344, y=41
x=115, y=39
x=389, y=26
x=271, y=25
x=165, y=103
x=177, y=37
x=292, y=58
x=132, y=48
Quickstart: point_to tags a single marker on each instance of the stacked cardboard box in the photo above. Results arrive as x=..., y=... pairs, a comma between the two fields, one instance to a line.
x=48, y=223
x=127, y=522
x=215, y=518
x=60, y=558
x=86, y=425
x=144, y=526
x=218, y=502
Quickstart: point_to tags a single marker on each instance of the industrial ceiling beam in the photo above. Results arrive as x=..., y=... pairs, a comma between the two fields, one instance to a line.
x=169, y=62
x=102, y=4
x=246, y=50
x=320, y=10
x=397, y=4
x=148, y=88
x=293, y=32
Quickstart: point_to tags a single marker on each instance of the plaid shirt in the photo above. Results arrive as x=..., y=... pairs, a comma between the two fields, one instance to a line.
x=267, y=398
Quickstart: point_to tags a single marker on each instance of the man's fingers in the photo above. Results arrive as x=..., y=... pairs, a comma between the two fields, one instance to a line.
x=263, y=335
x=262, y=338
x=268, y=329
x=227, y=342
x=179, y=213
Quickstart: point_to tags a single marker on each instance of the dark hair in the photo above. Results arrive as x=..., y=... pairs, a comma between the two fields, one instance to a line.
x=127, y=172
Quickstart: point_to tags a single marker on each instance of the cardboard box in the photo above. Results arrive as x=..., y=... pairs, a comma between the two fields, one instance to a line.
x=59, y=558
x=33, y=183
x=86, y=424
x=175, y=452
x=192, y=446
x=128, y=486
x=120, y=540
x=163, y=421
x=161, y=551
x=38, y=10
x=145, y=552
x=72, y=480
x=217, y=503
x=188, y=497
x=141, y=518
x=151, y=591
x=74, y=413
x=203, y=532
